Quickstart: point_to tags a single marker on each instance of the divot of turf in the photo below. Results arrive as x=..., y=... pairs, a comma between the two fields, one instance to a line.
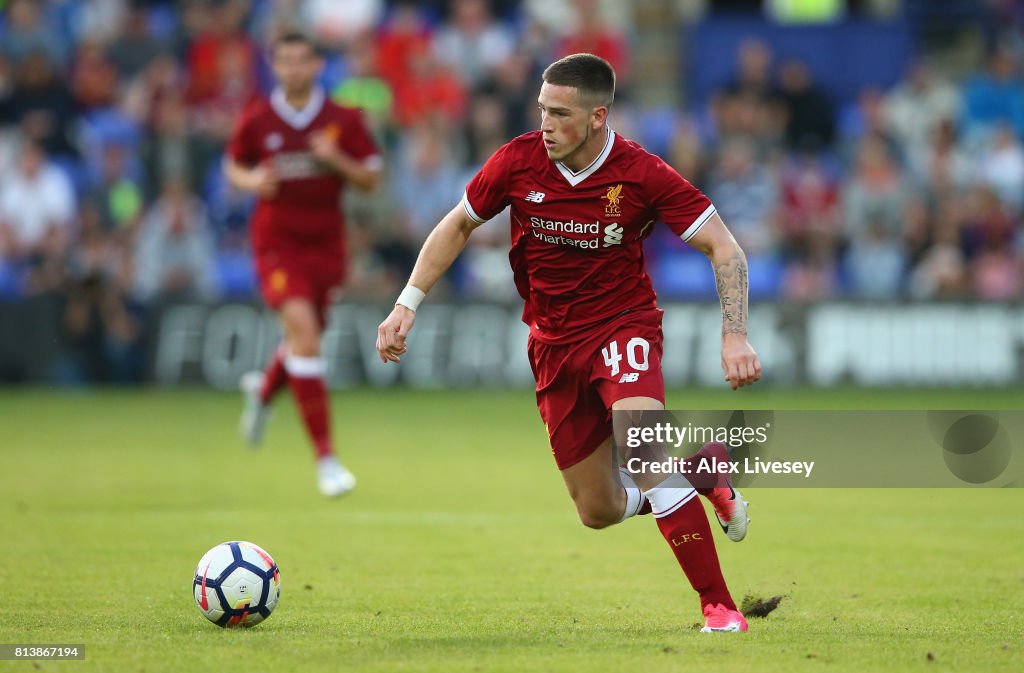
x=756, y=606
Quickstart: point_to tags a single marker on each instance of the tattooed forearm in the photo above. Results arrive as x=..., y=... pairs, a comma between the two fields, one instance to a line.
x=731, y=281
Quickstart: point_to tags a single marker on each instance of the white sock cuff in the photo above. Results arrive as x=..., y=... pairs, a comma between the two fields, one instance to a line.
x=634, y=500
x=670, y=495
x=626, y=478
x=634, y=497
x=305, y=367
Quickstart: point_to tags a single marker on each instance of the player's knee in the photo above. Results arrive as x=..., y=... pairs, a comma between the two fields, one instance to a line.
x=302, y=330
x=597, y=515
x=304, y=345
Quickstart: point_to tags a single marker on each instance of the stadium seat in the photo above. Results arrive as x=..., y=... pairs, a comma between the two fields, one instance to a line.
x=235, y=274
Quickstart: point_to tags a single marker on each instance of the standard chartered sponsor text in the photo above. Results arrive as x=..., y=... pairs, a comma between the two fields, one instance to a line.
x=541, y=228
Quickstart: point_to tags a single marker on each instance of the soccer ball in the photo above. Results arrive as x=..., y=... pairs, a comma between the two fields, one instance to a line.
x=236, y=584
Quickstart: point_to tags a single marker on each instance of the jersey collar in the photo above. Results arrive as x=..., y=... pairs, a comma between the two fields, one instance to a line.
x=576, y=178
x=297, y=119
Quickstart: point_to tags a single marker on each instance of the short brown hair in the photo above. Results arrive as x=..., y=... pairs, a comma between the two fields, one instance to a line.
x=591, y=75
x=295, y=37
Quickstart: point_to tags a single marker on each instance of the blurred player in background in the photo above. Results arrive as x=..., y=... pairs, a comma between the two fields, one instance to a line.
x=296, y=151
x=583, y=200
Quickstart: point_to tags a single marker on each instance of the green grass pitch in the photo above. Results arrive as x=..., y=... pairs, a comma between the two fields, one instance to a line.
x=460, y=550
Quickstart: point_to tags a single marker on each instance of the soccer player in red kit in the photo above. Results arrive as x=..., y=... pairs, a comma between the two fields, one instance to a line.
x=296, y=151
x=582, y=201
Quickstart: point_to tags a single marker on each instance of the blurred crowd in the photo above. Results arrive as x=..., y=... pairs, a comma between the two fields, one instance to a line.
x=911, y=192
x=114, y=115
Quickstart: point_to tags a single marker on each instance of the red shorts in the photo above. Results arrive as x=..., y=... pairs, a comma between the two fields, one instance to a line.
x=577, y=383
x=311, y=274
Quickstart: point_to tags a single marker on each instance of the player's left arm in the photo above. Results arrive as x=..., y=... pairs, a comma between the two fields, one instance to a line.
x=347, y=147
x=739, y=361
x=363, y=173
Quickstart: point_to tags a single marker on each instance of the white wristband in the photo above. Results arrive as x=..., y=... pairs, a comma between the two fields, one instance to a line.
x=411, y=297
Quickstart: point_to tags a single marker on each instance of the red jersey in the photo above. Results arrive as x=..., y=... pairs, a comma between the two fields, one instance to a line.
x=577, y=252
x=307, y=208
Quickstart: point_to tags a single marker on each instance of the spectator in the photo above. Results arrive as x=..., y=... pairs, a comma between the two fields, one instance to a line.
x=1001, y=167
x=117, y=195
x=989, y=235
x=485, y=129
x=753, y=79
x=427, y=178
x=994, y=96
x=365, y=89
x=6, y=91
x=866, y=119
x=996, y=272
x=750, y=106
x=486, y=274
x=918, y=105
x=403, y=38
x=37, y=205
x=810, y=118
x=560, y=18
x=876, y=262
x=160, y=79
x=42, y=105
x=942, y=166
x=172, y=152
x=174, y=256
x=134, y=48
x=591, y=34
x=686, y=154
x=746, y=195
x=986, y=220
x=99, y=21
x=93, y=77
x=941, y=272
x=430, y=90
x=516, y=84
x=25, y=34
x=221, y=71
x=101, y=331
x=812, y=276
x=809, y=215
x=380, y=266
x=875, y=206
x=876, y=197
x=473, y=44
x=337, y=22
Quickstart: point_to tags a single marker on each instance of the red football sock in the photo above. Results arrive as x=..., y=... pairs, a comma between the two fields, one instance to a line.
x=306, y=379
x=275, y=376
x=684, y=525
x=706, y=482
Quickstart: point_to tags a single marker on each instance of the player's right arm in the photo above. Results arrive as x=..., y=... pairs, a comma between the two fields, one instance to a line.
x=260, y=179
x=442, y=247
x=241, y=161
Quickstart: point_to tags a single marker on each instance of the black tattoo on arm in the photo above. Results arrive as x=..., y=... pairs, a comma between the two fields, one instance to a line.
x=731, y=281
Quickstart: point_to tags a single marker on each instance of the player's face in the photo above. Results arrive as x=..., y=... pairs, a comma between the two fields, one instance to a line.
x=566, y=123
x=296, y=67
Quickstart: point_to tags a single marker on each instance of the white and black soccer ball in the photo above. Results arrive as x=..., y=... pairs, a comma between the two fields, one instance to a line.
x=236, y=584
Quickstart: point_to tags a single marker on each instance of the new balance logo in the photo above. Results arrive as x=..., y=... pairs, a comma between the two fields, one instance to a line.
x=612, y=235
x=631, y=377
x=535, y=197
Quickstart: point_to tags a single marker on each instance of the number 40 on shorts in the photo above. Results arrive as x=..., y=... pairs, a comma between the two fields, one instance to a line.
x=636, y=350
